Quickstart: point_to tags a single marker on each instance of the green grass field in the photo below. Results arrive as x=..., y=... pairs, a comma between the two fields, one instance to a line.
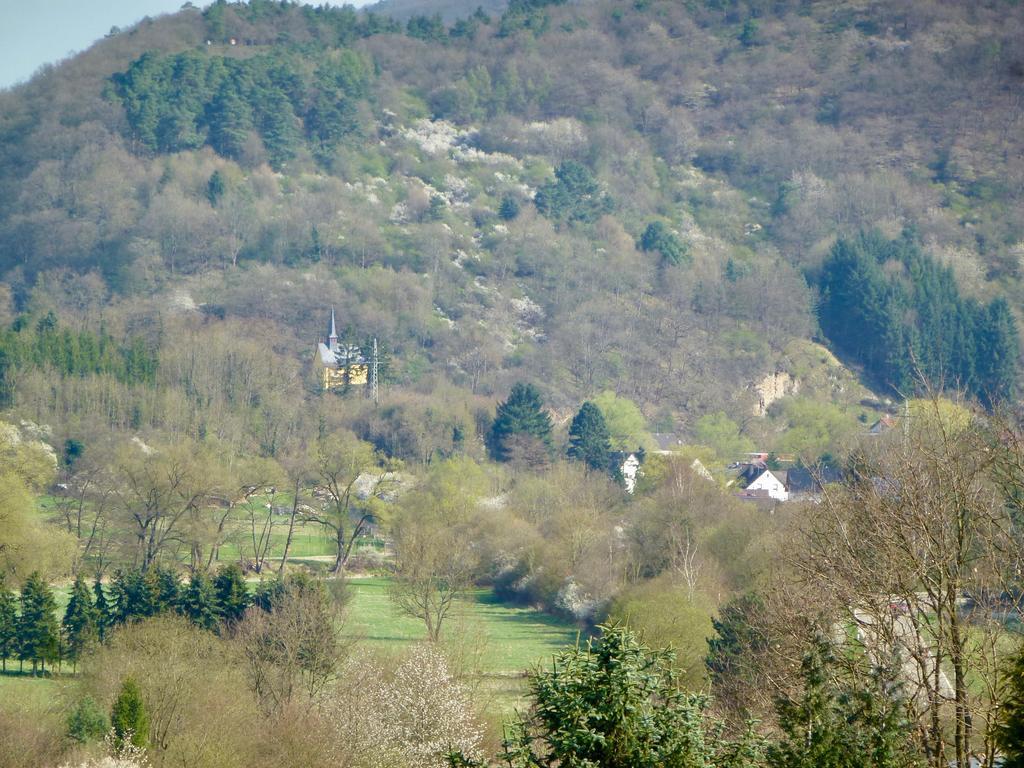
x=515, y=639
x=506, y=640
x=35, y=695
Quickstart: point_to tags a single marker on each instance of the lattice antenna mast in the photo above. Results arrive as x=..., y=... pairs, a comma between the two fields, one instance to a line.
x=374, y=368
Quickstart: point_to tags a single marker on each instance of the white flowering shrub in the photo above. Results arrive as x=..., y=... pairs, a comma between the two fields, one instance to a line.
x=573, y=600
x=412, y=718
x=121, y=754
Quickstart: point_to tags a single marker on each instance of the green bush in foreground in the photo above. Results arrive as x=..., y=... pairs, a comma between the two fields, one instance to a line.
x=618, y=704
x=128, y=716
x=86, y=722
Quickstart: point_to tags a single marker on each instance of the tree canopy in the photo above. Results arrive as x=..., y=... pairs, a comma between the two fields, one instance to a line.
x=588, y=438
x=900, y=314
x=522, y=414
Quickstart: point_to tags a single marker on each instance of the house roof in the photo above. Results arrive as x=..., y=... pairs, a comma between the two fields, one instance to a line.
x=329, y=357
x=761, y=493
x=752, y=471
x=884, y=424
x=326, y=356
x=803, y=480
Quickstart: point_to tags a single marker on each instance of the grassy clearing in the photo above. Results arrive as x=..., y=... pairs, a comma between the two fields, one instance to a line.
x=35, y=695
x=309, y=539
x=507, y=640
x=515, y=638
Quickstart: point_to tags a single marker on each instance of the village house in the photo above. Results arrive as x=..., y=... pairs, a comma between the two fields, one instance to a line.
x=759, y=482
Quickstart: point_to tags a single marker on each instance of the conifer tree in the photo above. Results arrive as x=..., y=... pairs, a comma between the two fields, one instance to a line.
x=232, y=594
x=521, y=414
x=659, y=238
x=38, y=629
x=574, y=195
x=1010, y=727
x=199, y=602
x=132, y=596
x=588, y=438
x=165, y=588
x=128, y=717
x=829, y=724
x=617, y=704
x=102, y=607
x=80, y=620
x=8, y=623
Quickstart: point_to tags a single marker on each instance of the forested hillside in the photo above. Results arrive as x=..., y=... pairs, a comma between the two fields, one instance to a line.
x=594, y=196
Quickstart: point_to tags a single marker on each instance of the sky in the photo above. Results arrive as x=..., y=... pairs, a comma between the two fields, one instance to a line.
x=37, y=32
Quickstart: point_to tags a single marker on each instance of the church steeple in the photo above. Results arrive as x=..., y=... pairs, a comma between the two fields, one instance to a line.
x=332, y=337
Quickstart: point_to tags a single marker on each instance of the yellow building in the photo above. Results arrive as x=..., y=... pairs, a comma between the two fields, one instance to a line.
x=339, y=364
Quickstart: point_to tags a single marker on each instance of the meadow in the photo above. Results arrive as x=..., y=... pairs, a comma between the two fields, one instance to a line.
x=492, y=643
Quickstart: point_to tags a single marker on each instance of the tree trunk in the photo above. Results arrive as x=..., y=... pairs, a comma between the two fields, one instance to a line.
x=340, y=558
x=291, y=529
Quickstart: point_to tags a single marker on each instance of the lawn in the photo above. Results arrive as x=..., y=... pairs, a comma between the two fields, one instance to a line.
x=308, y=540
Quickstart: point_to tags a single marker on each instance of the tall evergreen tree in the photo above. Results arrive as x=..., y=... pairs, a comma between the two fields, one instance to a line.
x=998, y=349
x=80, y=621
x=128, y=717
x=132, y=596
x=588, y=438
x=232, y=594
x=165, y=588
x=521, y=414
x=8, y=623
x=199, y=602
x=38, y=629
x=104, y=617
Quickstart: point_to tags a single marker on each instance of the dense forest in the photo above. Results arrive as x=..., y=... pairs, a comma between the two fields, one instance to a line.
x=597, y=255
x=900, y=314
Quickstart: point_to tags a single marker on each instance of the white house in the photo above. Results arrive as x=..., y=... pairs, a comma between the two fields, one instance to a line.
x=772, y=486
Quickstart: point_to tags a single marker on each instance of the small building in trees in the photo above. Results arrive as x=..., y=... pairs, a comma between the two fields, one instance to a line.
x=797, y=484
x=626, y=465
x=339, y=365
x=756, y=481
x=883, y=425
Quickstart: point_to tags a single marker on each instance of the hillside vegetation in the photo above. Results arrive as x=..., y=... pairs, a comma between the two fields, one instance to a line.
x=597, y=196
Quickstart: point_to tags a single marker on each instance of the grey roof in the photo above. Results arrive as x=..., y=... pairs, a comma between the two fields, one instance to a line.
x=803, y=480
x=752, y=471
x=326, y=355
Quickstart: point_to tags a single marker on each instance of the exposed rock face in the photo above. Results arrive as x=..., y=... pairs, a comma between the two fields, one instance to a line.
x=773, y=387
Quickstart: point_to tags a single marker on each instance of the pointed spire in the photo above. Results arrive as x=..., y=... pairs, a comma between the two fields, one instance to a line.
x=332, y=338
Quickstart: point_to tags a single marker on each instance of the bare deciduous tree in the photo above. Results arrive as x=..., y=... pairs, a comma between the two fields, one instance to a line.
x=916, y=552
